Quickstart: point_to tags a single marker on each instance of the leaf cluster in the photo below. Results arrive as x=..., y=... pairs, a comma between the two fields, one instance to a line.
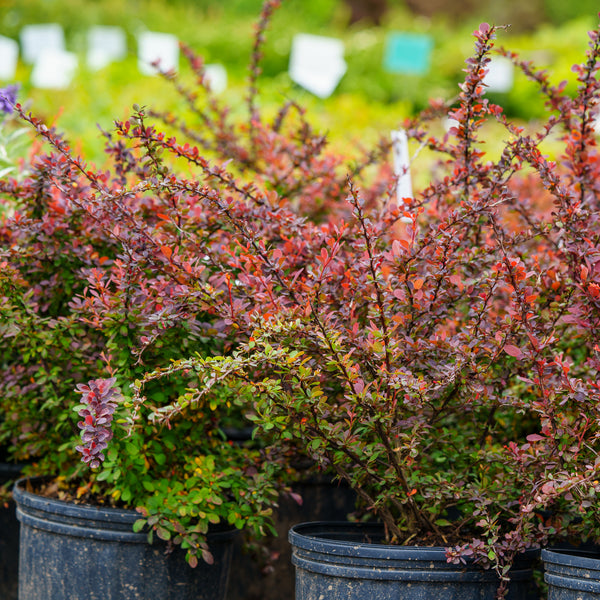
x=439, y=353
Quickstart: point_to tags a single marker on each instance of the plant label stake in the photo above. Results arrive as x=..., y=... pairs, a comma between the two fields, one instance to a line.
x=401, y=166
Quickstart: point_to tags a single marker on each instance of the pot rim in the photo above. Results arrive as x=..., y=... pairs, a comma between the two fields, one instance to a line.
x=571, y=557
x=36, y=505
x=315, y=536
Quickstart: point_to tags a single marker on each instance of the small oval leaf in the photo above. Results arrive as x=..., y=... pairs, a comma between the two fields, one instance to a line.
x=513, y=351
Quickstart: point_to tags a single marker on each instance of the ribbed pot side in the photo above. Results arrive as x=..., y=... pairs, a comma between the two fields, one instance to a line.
x=344, y=561
x=80, y=552
x=572, y=575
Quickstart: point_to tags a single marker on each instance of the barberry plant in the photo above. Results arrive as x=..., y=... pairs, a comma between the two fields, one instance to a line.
x=97, y=408
x=89, y=303
x=439, y=353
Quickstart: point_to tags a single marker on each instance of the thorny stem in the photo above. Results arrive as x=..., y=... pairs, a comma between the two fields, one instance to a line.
x=374, y=275
x=266, y=14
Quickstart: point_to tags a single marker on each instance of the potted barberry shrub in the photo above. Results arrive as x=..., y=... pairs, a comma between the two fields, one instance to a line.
x=562, y=458
x=12, y=143
x=87, y=306
x=439, y=353
x=74, y=316
x=108, y=273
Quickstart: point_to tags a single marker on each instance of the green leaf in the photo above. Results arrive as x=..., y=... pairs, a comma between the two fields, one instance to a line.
x=132, y=450
x=103, y=475
x=139, y=525
x=148, y=485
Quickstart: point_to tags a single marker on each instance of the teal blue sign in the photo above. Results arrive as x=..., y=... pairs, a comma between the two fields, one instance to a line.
x=408, y=53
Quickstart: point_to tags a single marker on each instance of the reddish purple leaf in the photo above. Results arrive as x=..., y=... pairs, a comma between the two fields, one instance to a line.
x=513, y=351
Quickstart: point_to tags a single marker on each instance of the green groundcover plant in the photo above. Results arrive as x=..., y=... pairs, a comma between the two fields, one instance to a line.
x=439, y=353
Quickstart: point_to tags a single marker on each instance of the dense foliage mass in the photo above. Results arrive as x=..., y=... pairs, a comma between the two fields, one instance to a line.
x=439, y=353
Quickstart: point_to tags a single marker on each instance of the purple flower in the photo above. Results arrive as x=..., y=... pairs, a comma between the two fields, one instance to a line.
x=8, y=98
x=97, y=414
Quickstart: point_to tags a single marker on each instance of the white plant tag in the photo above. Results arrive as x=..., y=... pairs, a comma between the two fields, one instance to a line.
x=54, y=69
x=216, y=75
x=9, y=54
x=105, y=45
x=401, y=166
x=500, y=77
x=36, y=39
x=449, y=123
x=317, y=63
x=162, y=47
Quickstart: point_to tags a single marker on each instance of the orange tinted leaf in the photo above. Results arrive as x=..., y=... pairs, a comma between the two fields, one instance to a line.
x=584, y=272
x=457, y=281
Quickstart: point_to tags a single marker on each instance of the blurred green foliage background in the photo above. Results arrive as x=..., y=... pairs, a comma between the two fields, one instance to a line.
x=368, y=99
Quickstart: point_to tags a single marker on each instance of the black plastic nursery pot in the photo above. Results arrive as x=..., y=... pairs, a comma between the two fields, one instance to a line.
x=572, y=574
x=323, y=499
x=9, y=537
x=336, y=561
x=81, y=552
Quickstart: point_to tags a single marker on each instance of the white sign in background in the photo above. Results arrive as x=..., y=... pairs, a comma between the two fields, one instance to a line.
x=317, y=63
x=216, y=75
x=501, y=75
x=54, y=69
x=153, y=46
x=9, y=54
x=105, y=45
x=37, y=39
